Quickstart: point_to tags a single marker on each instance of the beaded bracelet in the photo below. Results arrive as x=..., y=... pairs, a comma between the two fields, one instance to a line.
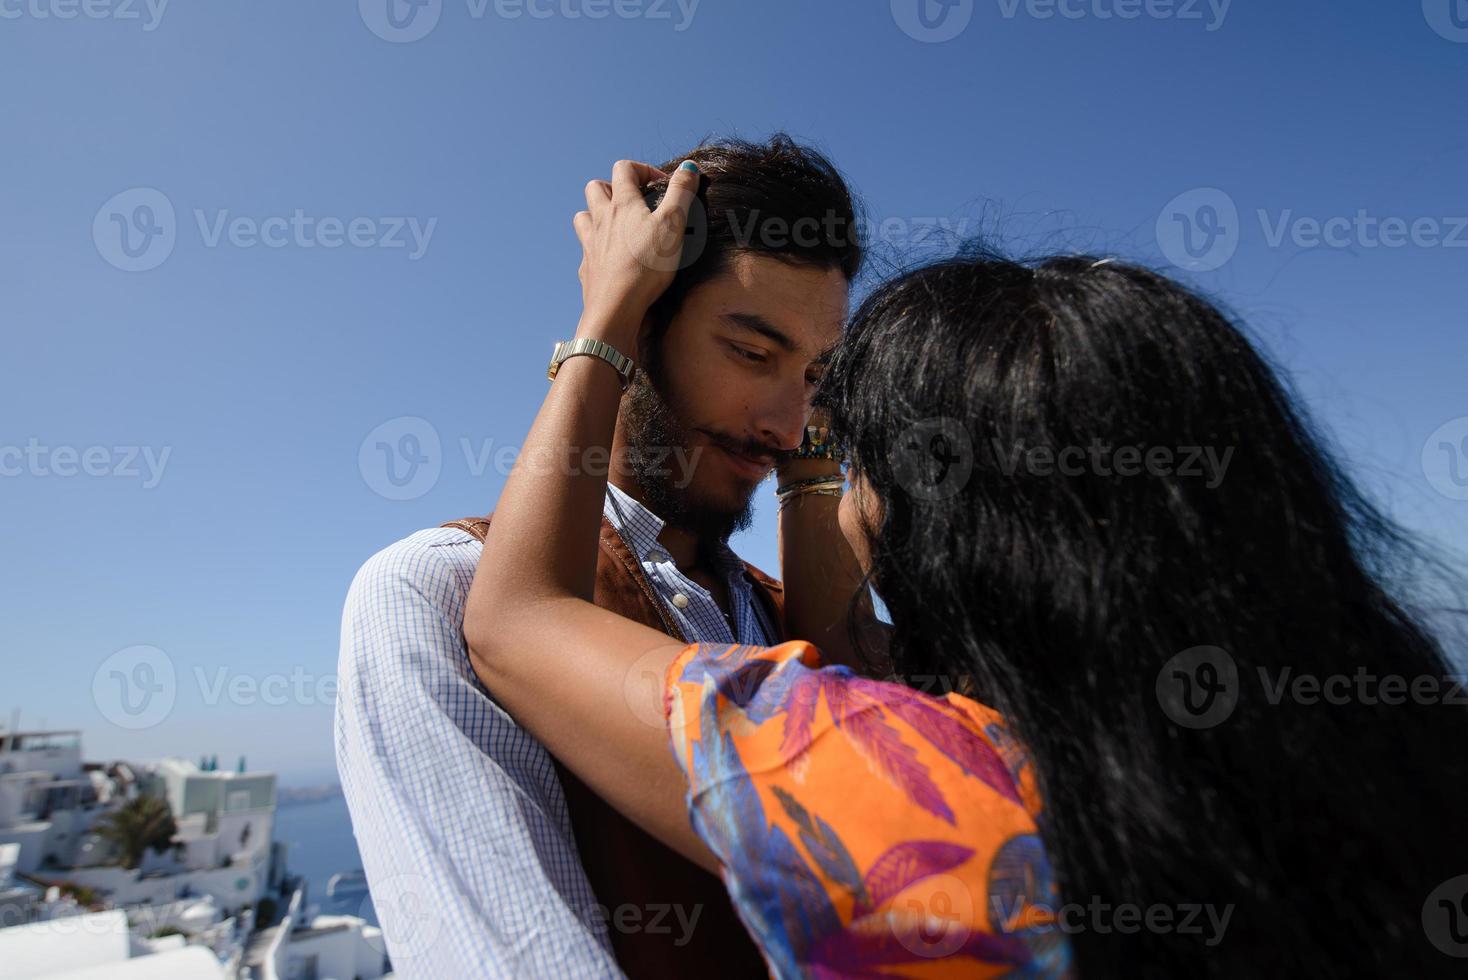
x=819, y=443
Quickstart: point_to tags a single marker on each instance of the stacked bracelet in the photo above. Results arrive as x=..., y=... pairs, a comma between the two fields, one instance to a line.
x=819, y=443
x=825, y=486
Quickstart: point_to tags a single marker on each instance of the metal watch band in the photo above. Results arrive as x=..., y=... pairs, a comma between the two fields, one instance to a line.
x=592, y=348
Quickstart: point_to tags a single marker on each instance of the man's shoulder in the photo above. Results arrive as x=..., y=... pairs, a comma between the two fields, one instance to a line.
x=428, y=561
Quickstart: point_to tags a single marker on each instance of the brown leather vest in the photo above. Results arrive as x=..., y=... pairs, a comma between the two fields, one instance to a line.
x=628, y=868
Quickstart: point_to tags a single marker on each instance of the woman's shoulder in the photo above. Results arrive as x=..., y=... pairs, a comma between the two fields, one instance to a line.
x=880, y=806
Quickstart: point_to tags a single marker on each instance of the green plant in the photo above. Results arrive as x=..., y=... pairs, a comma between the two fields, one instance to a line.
x=137, y=826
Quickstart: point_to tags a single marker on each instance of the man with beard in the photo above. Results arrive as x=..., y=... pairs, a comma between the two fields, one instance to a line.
x=483, y=855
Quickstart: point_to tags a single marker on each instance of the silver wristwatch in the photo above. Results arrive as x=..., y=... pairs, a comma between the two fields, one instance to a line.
x=592, y=348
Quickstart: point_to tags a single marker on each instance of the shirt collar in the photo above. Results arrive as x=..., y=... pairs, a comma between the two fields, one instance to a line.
x=640, y=527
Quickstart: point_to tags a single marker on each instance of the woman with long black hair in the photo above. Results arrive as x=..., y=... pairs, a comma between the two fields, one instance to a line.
x=1174, y=746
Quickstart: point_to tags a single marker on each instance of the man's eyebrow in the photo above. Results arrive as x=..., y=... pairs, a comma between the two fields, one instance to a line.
x=758, y=324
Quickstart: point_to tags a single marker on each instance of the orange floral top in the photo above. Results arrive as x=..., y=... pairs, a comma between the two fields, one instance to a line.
x=863, y=828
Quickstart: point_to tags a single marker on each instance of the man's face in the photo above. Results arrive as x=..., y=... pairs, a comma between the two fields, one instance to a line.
x=729, y=387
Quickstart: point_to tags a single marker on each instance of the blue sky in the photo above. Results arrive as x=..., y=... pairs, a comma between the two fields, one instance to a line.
x=369, y=225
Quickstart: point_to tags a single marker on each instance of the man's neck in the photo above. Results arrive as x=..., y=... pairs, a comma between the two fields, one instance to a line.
x=681, y=546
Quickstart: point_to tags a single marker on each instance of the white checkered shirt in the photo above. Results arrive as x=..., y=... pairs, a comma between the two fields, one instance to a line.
x=458, y=814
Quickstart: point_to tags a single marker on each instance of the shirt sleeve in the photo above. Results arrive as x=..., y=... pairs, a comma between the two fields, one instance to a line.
x=459, y=817
x=859, y=824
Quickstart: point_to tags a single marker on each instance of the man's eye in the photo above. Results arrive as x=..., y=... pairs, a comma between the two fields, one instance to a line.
x=748, y=355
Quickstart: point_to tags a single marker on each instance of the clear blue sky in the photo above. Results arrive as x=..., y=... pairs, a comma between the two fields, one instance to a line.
x=261, y=370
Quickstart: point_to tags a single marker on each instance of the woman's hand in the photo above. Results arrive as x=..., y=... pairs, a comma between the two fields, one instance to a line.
x=630, y=253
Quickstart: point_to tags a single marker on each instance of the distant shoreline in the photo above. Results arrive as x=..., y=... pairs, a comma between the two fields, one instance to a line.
x=296, y=795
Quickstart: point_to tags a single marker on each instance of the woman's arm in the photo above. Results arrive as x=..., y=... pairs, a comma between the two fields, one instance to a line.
x=584, y=681
x=822, y=576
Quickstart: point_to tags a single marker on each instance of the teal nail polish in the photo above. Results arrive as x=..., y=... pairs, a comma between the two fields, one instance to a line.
x=688, y=165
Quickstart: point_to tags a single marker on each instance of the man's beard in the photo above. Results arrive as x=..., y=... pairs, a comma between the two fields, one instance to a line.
x=655, y=435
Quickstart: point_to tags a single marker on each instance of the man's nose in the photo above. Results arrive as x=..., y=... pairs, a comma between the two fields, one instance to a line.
x=782, y=424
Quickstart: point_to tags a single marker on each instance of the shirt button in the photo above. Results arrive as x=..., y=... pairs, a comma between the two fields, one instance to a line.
x=680, y=600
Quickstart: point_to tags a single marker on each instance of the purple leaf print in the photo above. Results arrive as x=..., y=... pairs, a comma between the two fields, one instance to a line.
x=882, y=745
x=800, y=711
x=973, y=755
x=905, y=864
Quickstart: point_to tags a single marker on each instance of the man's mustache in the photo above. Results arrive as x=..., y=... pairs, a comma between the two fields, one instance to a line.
x=752, y=448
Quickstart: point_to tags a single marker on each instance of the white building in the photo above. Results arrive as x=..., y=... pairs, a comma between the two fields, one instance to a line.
x=47, y=799
x=186, y=912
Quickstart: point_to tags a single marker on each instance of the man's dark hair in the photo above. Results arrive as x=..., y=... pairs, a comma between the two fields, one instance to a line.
x=777, y=198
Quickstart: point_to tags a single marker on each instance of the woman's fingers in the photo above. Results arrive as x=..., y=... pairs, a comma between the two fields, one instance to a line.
x=682, y=189
x=598, y=193
x=581, y=221
x=630, y=177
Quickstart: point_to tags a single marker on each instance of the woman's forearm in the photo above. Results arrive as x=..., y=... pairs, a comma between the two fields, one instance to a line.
x=826, y=599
